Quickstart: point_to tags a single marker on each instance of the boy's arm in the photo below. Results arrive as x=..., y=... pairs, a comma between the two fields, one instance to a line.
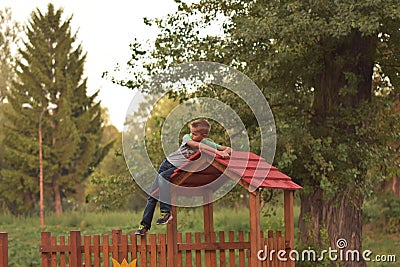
x=225, y=148
x=223, y=151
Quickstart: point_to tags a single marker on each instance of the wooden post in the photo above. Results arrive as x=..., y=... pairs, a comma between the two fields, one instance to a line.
x=255, y=232
x=4, y=249
x=106, y=251
x=46, y=242
x=116, y=245
x=289, y=221
x=75, y=258
x=172, y=237
x=208, y=217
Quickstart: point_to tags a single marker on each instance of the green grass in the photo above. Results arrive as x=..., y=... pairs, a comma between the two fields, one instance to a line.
x=24, y=232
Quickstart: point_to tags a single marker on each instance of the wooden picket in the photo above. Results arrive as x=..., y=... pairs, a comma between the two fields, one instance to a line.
x=3, y=249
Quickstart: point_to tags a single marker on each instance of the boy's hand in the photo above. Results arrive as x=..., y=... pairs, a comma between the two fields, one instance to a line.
x=228, y=150
x=223, y=153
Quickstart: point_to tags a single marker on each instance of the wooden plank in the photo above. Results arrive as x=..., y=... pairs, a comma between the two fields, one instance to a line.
x=63, y=259
x=133, y=248
x=232, y=175
x=162, y=241
x=181, y=178
x=179, y=252
x=231, y=250
x=106, y=251
x=271, y=261
x=172, y=233
x=289, y=222
x=75, y=258
x=124, y=247
x=222, y=256
x=254, y=200
x=263, y=263
x=215, y=246
x=281, y=246
x=275, y=241
x=45, y=241
x=241, y=251
x=143, y=251
x=188, y=240
x=197, y=238
x=87, y=243
x=116, y=243
x=3, y=249
x=60, y=248
x=208, y=225
x=213, y=252
x=96, y=251
x=50, y=248
x=54, y=253
x=153, y=250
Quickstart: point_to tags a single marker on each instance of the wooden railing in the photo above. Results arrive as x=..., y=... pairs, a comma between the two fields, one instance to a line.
x=221, y=249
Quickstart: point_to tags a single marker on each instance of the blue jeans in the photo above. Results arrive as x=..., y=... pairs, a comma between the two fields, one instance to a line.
x=161, y=182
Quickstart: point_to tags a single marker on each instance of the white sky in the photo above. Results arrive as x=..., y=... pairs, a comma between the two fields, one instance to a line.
x=105, y=29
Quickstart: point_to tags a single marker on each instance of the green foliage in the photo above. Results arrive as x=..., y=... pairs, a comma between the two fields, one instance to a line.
x=110, y=186
x=111, y=192
x=50, y=82
x=9, y=31
x=383, y=212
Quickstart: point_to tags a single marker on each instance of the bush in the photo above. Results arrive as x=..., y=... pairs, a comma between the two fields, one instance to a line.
x=383, y=211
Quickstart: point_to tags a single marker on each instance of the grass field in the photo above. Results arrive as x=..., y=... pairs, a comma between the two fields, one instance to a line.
x=24, y=232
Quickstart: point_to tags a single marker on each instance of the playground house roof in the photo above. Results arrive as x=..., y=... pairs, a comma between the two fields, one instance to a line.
x=248, y=169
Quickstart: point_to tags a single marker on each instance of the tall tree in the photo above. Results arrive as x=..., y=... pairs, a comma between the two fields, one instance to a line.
x=314, y=61
x=50, y=83
x=8, y=37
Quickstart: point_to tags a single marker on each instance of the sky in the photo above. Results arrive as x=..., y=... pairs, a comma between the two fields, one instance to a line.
x=105, y=29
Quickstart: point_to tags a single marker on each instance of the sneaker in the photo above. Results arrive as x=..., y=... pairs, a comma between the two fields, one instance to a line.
x=165, y=217
x=142, y=230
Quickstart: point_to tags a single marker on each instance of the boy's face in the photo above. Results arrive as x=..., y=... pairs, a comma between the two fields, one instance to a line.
x=196, y=135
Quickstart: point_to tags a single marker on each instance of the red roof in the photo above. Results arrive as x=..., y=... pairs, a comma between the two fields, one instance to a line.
x=248, y=169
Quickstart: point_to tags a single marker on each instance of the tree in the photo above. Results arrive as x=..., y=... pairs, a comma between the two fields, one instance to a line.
x=8, y=37
x=314, y=62
x=50, y=81
x=110, y=186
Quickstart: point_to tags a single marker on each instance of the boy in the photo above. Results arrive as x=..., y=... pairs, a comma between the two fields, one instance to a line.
x=196, y=140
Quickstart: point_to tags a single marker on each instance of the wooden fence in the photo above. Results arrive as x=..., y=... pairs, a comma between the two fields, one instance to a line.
x=221, y=249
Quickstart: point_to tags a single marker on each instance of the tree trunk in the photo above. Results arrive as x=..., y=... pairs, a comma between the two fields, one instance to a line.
x=57, y=199
x=341, y=216
x=310, y=219
x=344, y=226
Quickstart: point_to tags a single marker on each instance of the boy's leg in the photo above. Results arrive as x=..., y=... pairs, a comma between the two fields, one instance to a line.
x=152, y=200
x=151, y=203
x=165, y=191
x=165, y=195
